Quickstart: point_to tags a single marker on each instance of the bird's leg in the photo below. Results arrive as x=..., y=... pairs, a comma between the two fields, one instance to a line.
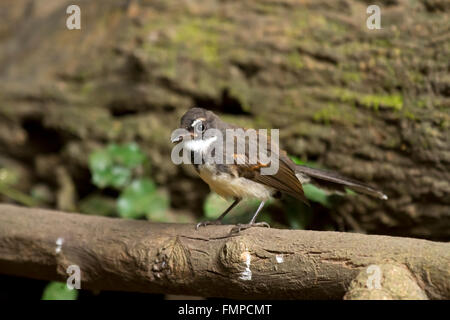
x=219, y=219
x=252, y=223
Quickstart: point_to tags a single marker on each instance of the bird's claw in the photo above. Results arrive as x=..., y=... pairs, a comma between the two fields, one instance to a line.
x=207, y=223
x=239, y=227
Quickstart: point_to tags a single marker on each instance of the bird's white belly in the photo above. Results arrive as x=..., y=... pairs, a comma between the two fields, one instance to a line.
x=229, y=186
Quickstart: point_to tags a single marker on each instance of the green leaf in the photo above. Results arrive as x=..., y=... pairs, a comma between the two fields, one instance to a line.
x=136, y=198
x=128, y=155
x=59, y=291
x=316, y=194
x=214, y=205
x=142, y=199
x=157, y=209
x=112, y=177
x=100, y=161
x=297, y=160
x=113, y=166
x=105, y=173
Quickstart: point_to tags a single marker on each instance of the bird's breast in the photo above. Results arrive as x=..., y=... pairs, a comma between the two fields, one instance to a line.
x=229, y=186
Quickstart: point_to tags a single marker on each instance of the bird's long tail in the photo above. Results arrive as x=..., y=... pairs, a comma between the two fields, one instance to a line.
x=333, y=181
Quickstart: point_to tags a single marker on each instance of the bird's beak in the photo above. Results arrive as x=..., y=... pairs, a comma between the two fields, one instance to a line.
x=181, y=137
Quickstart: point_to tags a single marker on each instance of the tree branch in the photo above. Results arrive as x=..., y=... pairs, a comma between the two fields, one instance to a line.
x=129, y=255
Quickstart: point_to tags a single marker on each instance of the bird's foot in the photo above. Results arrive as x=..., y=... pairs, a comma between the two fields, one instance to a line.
x=207, y=223
x=243, y=226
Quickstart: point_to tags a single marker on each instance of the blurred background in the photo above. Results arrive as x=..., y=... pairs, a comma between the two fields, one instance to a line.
x=86, y=115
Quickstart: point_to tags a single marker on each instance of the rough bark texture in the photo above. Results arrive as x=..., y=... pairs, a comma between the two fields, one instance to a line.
x=118, y=254
x=371, y=104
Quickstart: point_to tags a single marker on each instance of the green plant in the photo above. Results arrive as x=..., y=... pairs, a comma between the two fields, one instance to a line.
x=59, y=291
x=114, y=165
x=122, y=167
x=141, y=197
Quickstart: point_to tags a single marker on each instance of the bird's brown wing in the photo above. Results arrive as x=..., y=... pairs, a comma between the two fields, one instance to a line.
x=284, y=180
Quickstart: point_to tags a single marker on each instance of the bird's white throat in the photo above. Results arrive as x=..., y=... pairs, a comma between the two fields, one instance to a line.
x=199, y=145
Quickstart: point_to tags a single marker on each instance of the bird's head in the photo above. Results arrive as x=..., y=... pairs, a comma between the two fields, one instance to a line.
x=195, y=122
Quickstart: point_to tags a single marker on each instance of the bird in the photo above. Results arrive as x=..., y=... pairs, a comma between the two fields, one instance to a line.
x=244, y=179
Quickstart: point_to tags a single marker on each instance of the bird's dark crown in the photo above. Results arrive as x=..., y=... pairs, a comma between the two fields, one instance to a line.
x=193, y=114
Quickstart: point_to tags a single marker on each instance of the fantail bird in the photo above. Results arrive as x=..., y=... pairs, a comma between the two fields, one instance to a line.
x=243, y=179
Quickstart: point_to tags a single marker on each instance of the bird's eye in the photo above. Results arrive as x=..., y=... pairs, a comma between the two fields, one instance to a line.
x=199, y=127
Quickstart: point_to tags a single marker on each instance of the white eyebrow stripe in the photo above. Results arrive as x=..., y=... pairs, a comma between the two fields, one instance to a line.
x=196, y=121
